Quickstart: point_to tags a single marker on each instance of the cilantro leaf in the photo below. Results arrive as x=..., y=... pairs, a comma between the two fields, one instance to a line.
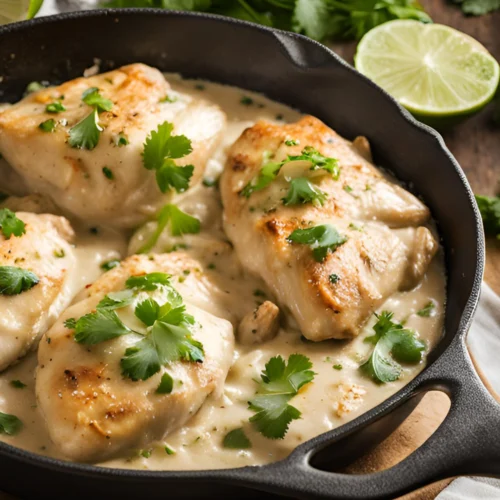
x=17, y=384
x=393, y=345
x=180, y=223
x=236, y=440
x=428, y=310
x=147, y=311
x=93, y=98
x=489, y=206
x=331, y=165
x=303, y=191
x=110, y=264
x=10, y=224
x=169, y=175
x=141, y=361
x=116, y=300
x=267, y=174
x=55, y=107
x=85, y=134
x=10, y=424
x=321, y=239
x=14, y=280
x=48, y=125
x=166, y=384
x=148, y=282
x=312, y=17
x=97, y=327
x=280, y=383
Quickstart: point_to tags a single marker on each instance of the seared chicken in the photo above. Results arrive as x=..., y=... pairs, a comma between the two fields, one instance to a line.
x=108, y=184
x=45, y=251
x=92, y=410
x=330, y=298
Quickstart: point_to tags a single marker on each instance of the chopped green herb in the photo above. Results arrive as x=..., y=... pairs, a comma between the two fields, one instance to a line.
x=14, y=280
x=35, y=87
x=110, y=264
x=108, y=173
x=146, y=453
x=393, y=345
x=85, y=134
x=303, y=191
x=292, y=142
x=259, y=293
x=489, y=206
x=246, y=101
x=70, y=324
x=211, y=266
x=55, y=107
x=93, y=98
x=180, y=223
x=170, y=99
x=319, y=162
x=334, y=278
x=321, y=239
x=10, y=224
x=160, y=150
x=347, y=189
x=280, y=383
x=48, y=125
x=59, y=254
x=148, y=282
x=121, y=140
x=355, y=227
x=169, y=451
x=337, y=367
x=17, y=384
x=236, y=440
x=428, y=310
x=9, y=424
x=166, y=384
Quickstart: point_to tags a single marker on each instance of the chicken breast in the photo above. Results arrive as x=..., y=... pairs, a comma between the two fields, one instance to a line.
x=375, y=220
x=44, y=250
x=92, y=408
x=108, y=184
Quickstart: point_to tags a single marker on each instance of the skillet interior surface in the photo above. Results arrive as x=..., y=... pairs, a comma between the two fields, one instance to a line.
x=301, y=73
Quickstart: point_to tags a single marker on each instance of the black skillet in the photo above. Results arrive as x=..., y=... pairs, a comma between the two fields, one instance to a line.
x=308, y=76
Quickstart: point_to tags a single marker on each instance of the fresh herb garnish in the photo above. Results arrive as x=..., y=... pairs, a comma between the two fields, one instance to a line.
x=394, y=344
x=160, y=150
x=321, y=239
x=93, y=98
x=108, y=173
x=169, y=98
x=55, y=107
x=48, y=125
x=10, y=224
x=17, y=384
x=59, y=254
x=280, y=383
x=236, y=440
x=180, y=223
x=34, y=87
x=270, y=170
x=166, y=384
x=489, y=206
x=14, y=280
x=121, y=140
x=169, y=451
x=303, y=191
x=110, y=264
x=86, y=133
x=10, y=424
x=337, y=367
x=478, y=7
x=428, y=310
x=334, y=278
x=292, y=142
x=246, y=101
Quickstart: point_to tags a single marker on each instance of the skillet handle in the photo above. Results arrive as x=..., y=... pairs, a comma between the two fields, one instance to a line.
x=466, y=443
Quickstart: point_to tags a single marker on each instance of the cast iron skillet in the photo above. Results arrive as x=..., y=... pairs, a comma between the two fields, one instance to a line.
x=306, y=75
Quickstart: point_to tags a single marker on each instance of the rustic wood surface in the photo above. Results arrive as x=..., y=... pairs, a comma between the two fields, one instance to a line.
x=476, y=145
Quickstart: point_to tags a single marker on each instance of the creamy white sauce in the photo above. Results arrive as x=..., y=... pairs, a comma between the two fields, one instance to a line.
x=335, y=396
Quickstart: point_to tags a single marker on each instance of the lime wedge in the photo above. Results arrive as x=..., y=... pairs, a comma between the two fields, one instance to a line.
x=439, y=74
x=17, y=10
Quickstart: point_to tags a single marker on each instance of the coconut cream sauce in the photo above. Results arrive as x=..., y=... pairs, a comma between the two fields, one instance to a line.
x=334, y=398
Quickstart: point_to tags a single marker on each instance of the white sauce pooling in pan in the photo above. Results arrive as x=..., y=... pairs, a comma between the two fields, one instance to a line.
x=335, y=397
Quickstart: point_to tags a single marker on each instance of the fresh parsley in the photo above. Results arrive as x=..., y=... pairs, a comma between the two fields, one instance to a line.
x=334, y=278
x=280, y=382
x=489, y=206
x=160, y=150
x=10, y=424
x=10, y=224
x=180, y=223
x=428, y=310
x=86, y=133
x=55, y=107
x=17, y=384
x=48, y=125
x=166, y=384
x=93, y=98
x=236, y=440
x=321, y=239
x=167, y=336
x=303, y=191
x=110, y=264
x=318, y=161
x=393, y=344
x=108, y=173
x=14, y=280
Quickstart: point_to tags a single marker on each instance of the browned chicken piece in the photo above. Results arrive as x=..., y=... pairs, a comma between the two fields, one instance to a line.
x=92, y=410
x=109, y=183
x=260, y=325
x=330, y=298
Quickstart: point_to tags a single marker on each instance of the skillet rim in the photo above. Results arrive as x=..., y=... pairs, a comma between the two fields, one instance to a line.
x=387, y=405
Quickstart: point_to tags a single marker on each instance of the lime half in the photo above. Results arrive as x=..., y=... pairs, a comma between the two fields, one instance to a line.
x=17, y=10
x=438, y=73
